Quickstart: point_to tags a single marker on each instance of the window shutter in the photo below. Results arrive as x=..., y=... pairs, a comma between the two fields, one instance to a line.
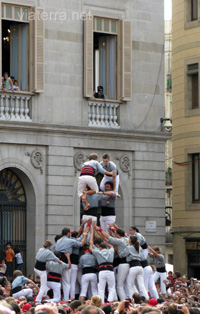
x=126, y=61
x=88, y=55
x=39, y=50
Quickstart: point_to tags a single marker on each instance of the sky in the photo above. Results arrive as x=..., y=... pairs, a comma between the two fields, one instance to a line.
x=168, y=9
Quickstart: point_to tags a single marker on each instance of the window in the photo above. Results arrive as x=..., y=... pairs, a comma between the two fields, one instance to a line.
x=196, y=177
x=23, y=45
x=170, y=259
x=194, y=10
x=193, y=84
x=107, y=57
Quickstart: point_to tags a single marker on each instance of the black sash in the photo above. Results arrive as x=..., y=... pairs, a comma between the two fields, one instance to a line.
x=144, y=263
x=88, y=270
x=144, y=246
x=161, y=270
x=40, y=265
x=135, y=263
x=106, y=266
x=16, y=289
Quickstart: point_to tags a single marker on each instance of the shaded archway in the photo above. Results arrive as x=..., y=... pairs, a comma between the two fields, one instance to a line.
x=12, y=213
x=17, y=190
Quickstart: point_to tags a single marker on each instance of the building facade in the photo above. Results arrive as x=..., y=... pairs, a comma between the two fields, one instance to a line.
x=168, y=146
x=186, y=136
x=60, y=52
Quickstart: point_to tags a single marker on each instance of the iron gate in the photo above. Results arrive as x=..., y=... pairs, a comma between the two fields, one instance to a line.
x=12, y=214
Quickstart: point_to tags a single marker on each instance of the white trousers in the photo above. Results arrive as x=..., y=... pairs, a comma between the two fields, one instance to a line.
x=24, y=293
x=149, y=282
x=87, y=279
x=83, y=181
x=145, y=252
x=86, y=218
x=136, y=274
x=43, y=283
x=105, y=221
x=122, y=274
x=106, y=276
x=74, y=272
x=161, y=276
x=55, y=286
x=66, y=274
x=109, y=179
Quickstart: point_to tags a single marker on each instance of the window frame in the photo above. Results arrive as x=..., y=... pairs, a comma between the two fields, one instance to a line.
x=191, y=110
x=124, y=56
x=192, y=13
x=35, y=44
x=190, y=21
x=194, y=177
x=104, y=18
x=189, y=203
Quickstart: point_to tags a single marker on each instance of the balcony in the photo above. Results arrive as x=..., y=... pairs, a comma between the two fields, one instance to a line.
x=15, y=106
x=103, y=114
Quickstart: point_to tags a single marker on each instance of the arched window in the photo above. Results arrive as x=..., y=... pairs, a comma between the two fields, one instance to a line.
x=12, y=213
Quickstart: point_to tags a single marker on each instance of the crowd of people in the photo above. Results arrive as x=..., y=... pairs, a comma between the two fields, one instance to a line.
x=100, y=268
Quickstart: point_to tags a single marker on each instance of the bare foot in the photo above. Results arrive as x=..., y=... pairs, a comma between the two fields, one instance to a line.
x=118, y=195
x=87, y=207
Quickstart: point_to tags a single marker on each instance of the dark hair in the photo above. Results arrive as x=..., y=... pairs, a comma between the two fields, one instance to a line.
x=75, y=304
x=17, y=250
x=135, y=243
x=12, y=77
x=120, y=232
x=157, y=249
x=15, y=307
x=9, y=243
x=57, y=254
x=6, y=73
x=110, y=183
x=98, y=241
x=91, y=310
x=135, y=228
x=107, y=308
x=103, y=245
x=106, y=156
x=47, y=244
x=57, y=237
x=86, y=246
x=100, y=88
x=177, y=273
x=65, y=231
x=74, y=234
x=136, y=297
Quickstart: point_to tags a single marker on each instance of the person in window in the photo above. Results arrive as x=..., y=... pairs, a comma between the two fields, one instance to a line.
x=16, y=86
x=7, y=82
x=100, y=93
x=12, y=79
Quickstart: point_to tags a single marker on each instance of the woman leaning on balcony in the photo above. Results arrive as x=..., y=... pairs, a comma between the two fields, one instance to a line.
x=7, y=83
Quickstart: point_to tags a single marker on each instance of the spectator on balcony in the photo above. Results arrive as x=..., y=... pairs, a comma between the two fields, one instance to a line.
x=16, y=86
x=7, y=82
x=100, y=93
x=12, y=79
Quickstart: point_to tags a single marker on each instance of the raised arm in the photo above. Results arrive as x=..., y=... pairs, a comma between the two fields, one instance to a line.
x=154, y=252
x=91, y=240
